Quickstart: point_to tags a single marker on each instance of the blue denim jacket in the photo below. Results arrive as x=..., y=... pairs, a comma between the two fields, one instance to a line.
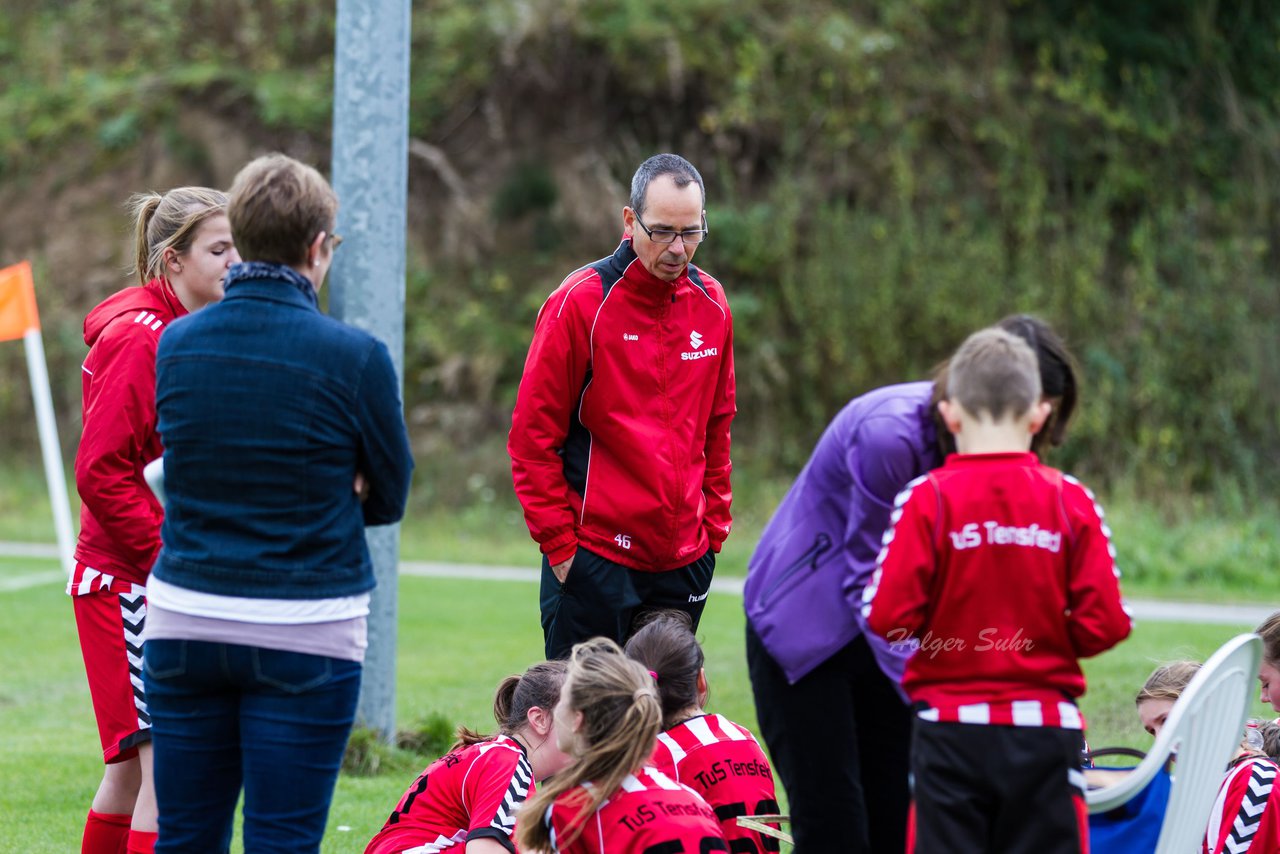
x=267, y=409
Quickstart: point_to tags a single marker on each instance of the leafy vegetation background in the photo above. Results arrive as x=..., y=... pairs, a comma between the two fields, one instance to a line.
x=883, y=178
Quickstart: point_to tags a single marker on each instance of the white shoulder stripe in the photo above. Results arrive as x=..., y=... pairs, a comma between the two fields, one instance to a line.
x=706, y=293
x=149, y=319
x=677, y=752
x=587, y=272
x=700, y=730
x=662, y=781
x=735, y=732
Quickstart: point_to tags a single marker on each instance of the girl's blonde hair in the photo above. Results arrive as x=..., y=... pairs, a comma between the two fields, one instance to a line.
x=1168, y=681
x=621, y=718
x=169, y=221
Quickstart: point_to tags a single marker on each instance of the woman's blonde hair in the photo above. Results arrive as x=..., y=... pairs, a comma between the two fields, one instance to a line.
x=621, y=718
x=278, y=206
x=1168, y=681
x=169, y=221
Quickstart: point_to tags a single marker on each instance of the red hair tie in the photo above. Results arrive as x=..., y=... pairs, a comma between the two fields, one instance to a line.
x=654, y=675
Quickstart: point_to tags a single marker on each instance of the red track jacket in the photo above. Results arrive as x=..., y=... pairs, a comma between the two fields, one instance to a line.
x=120, y=517
x=1246, y=814
x=1003, y=570
x=620, y=436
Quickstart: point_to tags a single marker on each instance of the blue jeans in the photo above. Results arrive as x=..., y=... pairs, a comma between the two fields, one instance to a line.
x=225, y=716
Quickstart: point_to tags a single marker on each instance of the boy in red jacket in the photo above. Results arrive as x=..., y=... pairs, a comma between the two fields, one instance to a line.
x=999, y=569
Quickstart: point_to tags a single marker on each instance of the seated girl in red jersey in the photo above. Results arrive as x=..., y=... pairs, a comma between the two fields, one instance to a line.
x=609, y=799
x=467, y=799
x=1246, y=814
x=710, y=754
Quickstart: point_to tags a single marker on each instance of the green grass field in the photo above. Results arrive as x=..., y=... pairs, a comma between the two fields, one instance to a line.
x=1187, y=550
x=457, y=638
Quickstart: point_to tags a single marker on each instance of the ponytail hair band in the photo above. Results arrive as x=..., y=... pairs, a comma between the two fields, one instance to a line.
x=654, y=674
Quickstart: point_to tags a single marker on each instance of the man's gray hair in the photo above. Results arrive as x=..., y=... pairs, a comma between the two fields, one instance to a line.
x=680, y=170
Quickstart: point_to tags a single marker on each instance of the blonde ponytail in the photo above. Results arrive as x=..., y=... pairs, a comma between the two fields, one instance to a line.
x=169, y=221
x=621, y=717
x=142, y=207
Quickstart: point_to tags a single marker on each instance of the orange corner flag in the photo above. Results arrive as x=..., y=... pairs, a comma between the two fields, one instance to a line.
x=18, y=313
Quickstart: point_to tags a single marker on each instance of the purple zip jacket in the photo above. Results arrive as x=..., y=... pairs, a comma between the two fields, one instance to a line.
x=803, y=592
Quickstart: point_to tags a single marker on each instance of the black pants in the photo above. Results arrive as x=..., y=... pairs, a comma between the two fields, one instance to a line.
x=839, y=739
x=602, y=598
x=998, y=789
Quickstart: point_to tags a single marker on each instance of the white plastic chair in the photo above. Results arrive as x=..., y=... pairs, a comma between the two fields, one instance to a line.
x=1204, y=729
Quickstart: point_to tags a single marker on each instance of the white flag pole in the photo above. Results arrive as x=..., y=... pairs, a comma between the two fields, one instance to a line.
x=54, y=472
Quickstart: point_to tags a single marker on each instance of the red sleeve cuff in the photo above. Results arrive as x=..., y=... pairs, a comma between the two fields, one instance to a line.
x=561, y=553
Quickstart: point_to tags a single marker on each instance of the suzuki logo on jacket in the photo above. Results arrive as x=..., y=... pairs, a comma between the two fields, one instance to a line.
x=695, y=341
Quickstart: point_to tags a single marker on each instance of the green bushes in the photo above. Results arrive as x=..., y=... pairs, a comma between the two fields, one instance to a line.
x=882, y=181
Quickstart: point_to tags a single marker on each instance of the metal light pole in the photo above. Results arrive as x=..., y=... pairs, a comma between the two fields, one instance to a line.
x=370, y=175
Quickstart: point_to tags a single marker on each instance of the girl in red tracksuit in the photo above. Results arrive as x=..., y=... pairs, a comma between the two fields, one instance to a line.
x=183, y=249
x=467, y=800
x=710, y=754
x=610, y=799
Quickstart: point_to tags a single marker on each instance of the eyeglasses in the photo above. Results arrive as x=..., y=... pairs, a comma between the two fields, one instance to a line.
x=664, y=236
x=335, y=240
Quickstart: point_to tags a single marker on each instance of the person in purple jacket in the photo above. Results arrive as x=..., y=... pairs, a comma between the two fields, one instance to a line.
x=828, y=694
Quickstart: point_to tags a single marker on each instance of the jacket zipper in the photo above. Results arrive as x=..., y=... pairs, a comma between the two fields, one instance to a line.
x=821, y=544
x=664, y=322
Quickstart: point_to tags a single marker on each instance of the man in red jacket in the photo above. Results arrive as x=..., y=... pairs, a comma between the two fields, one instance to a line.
x=1000, y=570
x=619, y=440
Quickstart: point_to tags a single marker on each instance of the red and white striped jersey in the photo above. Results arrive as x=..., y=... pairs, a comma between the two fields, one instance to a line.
x=1000, y=571
x=1246, y=815
x=649, y=813
x=471, y=793
x=723, y=763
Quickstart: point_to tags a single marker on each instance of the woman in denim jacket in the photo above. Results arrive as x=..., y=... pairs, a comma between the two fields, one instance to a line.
x=284, y=436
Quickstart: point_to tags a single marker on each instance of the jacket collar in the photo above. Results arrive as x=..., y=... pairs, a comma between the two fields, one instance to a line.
x=262, y=272
x=625, y=264
x=164, y=292
x=1026, y=458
